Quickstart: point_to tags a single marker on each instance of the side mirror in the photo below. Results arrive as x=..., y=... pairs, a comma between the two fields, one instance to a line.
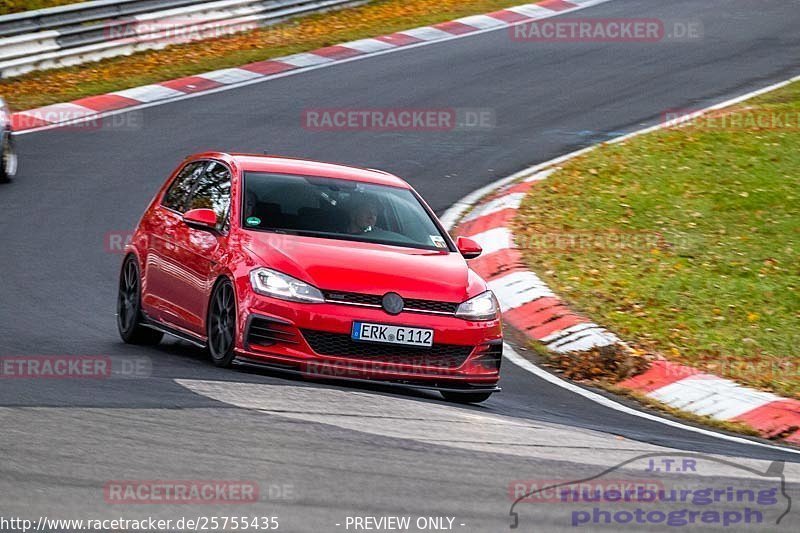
x=205, y=219
x=468, y=248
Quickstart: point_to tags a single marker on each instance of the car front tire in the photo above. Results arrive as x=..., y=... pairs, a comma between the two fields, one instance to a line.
x=221, y=324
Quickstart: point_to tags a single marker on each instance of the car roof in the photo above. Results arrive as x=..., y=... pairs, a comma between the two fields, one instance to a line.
x=306, y=167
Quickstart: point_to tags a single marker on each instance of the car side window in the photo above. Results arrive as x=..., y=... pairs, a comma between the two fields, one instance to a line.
x=212, y=190
x=178, y=192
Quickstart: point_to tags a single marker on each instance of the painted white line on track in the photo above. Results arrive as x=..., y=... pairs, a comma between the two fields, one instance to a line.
x=507, y=201
x=539, y=176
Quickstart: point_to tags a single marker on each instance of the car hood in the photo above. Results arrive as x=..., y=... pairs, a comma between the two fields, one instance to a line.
x=368, y=268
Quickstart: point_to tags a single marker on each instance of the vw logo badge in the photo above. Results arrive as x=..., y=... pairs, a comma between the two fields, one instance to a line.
x=392, y=303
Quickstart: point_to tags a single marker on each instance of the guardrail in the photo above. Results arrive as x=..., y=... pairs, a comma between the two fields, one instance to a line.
x=90, y=31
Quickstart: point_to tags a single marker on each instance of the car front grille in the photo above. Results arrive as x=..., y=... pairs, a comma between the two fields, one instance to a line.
x=373, y=300
x=341, y=345
x=265, y=332
x=353, y=298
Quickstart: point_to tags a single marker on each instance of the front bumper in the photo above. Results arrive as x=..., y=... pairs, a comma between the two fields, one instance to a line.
x=465, y=357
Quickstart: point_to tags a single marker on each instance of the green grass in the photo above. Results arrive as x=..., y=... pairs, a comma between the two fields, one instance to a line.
x=709, y=274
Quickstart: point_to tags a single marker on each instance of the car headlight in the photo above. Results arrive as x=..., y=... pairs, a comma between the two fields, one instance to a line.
x=278, y=285
x=482, y=307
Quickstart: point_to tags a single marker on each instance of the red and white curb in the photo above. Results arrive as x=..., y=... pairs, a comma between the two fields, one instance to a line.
x=96, y=106
x=689, y=389
x=527, y=302
x=532, y=308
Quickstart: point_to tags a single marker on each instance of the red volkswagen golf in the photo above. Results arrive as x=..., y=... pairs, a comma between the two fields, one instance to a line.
x=324, y=270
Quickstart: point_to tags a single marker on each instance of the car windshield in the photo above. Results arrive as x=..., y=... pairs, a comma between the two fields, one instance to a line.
x=338, y=209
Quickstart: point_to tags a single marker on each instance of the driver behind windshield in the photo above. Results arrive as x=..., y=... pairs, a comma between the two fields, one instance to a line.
x=363, y=214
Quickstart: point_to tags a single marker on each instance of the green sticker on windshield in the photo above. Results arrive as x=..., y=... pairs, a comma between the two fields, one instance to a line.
x=253, y=221
x=438, y=241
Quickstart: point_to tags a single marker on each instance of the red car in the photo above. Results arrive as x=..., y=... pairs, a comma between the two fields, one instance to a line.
x=324, y=270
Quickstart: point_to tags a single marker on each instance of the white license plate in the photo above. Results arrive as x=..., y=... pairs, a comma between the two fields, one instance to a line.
x=364, y=331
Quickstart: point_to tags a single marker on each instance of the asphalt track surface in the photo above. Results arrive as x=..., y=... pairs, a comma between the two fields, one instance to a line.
x=336, y=450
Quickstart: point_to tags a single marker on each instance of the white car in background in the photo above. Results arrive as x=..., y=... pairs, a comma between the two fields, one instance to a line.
x=8, y=162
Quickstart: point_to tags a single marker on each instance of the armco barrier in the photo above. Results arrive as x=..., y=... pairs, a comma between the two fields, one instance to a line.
x=90, y=31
